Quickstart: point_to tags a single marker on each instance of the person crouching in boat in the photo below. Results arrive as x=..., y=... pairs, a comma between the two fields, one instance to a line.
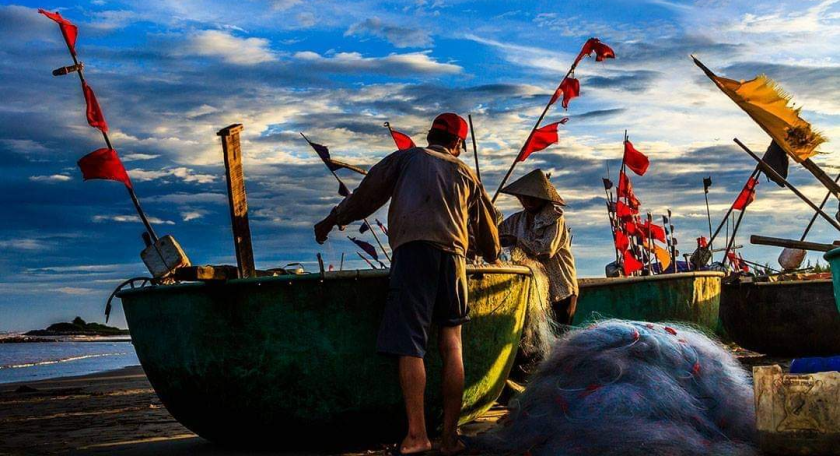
x=434, y=197
x=540, y=232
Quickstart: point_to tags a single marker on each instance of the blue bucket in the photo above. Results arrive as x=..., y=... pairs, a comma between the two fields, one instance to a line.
x=833, y=258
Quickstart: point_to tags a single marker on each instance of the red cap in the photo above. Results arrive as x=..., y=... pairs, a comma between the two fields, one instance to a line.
x=452, y=124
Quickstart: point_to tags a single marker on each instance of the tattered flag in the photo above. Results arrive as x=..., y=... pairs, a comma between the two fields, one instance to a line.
x=608, y=184
x=542, y=138
x=382, y=227
x=746, y=196
x=655, y=231
x=602, y=51
x=622, y=210
x=68, y=30
x=343, y=190
x=402, y=140
x=621, y=241
x=367, y=247
x=569, y=88
x=332, y=165
x=707, y=182
x=104, y=164
x=365, y=227
x=635, y=160
x=776, y=157
x=625, y=190
x=93, y=112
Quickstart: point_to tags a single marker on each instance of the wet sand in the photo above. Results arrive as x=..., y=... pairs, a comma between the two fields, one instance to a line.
x=118, y=413
x=112, y=413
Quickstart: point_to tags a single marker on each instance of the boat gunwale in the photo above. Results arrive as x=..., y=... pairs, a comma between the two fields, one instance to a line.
x=353, y=274
x=782, y=283
x=586, y=282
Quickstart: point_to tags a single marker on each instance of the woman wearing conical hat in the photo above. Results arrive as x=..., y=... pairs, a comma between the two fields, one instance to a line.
x=540, y=232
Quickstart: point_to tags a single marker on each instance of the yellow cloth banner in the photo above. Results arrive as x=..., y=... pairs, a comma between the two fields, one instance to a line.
x=768, y=105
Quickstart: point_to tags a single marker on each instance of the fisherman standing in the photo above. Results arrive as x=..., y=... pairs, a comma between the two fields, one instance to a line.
x=435, y=199
x=540, y=232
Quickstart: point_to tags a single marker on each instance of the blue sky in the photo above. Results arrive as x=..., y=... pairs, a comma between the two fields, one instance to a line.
x=170, y=74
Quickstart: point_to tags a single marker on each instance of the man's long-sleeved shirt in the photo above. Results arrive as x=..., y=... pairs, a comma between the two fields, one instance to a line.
x=434, y=198
x=544, y=237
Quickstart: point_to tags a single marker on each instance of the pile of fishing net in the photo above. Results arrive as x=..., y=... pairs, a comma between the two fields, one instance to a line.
x=626, y=387
x=538, y=334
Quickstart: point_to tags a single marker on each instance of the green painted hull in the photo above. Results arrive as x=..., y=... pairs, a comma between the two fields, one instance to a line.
x=685, y=297
x=274, y=361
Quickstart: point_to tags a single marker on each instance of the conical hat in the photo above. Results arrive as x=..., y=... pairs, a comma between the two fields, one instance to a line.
x=534, y=184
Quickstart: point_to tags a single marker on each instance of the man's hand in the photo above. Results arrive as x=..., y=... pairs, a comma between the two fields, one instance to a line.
x=323, y=228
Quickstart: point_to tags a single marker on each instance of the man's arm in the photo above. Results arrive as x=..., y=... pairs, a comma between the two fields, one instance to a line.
x=373, y=192
x=486, y=233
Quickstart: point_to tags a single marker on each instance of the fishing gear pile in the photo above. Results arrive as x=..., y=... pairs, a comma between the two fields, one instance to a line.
x=624, y=388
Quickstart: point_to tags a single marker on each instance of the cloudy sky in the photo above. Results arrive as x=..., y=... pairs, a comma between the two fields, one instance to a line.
x=170, y=74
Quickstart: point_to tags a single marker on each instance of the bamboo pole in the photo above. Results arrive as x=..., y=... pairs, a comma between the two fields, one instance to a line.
x=130, y=189
x=814, y=217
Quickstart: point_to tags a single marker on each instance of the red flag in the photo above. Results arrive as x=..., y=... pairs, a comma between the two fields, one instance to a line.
x=625, y=190
x=737, y=262
x=69, y=30
x=657, y=232
x=622, y=210
x=621, y=241
x=602, y=51
x=633, y=229
x=702, y=242
x=104, y=164
x=634, y=159
x=569, y=88
x=631, y=264
x=542, y=138
x=382, y=227
x=746, y=196
x=95, y=117
x=402, y=140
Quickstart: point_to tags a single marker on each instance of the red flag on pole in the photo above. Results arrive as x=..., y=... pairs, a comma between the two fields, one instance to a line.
x=569, y=88
x=542, y=138
x=68, y=30
x=367, y=247
x=622, y=210
x=746, y=196
x=95, y=117
x=621, y=241
x=602, y=51
x=625, y=190
x=104, y=164
x=657, y=232
x=635, y=160
x=402, y=140
x=631, y=264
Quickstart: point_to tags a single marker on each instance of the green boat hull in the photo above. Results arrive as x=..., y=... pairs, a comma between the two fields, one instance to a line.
x=692, y=297
x=274, y=361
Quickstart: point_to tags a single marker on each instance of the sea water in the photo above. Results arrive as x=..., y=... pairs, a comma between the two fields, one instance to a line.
x=26, y=362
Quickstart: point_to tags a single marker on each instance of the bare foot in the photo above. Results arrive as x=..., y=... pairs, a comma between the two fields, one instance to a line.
x=415, y=445
x=453, y=448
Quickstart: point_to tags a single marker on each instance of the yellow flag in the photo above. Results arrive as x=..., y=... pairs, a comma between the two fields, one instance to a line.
x=768, y=105
x=663, y=256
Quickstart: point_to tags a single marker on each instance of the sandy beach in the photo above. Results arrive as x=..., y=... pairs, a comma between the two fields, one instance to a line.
x=111, y=413
x=118, y=413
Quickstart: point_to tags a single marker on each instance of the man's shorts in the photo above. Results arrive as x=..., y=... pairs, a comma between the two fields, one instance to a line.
x=427, y=285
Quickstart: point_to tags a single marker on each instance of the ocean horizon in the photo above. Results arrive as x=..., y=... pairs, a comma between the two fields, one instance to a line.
x=33, y=361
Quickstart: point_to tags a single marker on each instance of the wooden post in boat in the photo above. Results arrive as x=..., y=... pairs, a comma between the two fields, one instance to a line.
x=790, y=243
x=237, y=200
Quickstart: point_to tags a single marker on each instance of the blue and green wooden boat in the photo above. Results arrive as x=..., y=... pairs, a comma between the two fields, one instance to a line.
x=688, y=297
x=277, y=360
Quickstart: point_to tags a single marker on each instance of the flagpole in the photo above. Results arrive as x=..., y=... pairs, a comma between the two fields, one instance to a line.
x=366, y=260
x=131, y=192
x=814, y=217
x=772, y=173
x=341, y=265
x=536, y=125
x=725, y=219
x=475, y=149
x=708, y=215
x=732, y=238
x=340, y=182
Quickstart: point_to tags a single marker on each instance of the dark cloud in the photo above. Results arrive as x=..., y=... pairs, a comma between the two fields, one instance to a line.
x=633, y=81
x=600, y=113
